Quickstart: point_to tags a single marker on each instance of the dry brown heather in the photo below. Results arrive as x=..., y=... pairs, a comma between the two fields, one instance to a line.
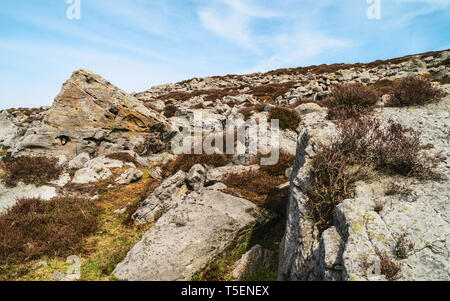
x=265, y=93
x=185, y=162
x=261, y=186
x=288, y=118
x=30, y=170
x=415, y=91
x=33, y=228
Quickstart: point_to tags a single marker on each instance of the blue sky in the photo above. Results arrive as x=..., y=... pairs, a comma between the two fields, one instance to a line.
x=136, y=43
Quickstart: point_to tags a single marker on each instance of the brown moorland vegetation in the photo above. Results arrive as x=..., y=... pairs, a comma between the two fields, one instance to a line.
x=33, y=228
x=30, y=170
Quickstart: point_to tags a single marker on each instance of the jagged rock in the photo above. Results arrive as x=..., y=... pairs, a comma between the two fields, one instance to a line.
x=183, y=242
x=308, y=108
x=215, y=175
x=161, y=159
x=9, y=196
x=91, y=115
x=79, y=161
x=197, y=176
x=156, y=173
x=8, y=131
x=129, y=176
x=96, y=170
x=89, y=175
x=253, y=261
x=164, y=198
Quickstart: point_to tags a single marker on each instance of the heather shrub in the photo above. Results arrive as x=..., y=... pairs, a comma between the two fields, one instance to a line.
x=30, y=170
x=330, y=184
x=185, y=162
x=33, y=228
x=415, y=91
x=289, y=119
x=389, y=268
x=285, y=161
x=170, y=110
x=353, y=95
x=403, y=246
x=253, y=184
x=384, y=86
x=363, y=145
x=397, y=151
x=124, y=157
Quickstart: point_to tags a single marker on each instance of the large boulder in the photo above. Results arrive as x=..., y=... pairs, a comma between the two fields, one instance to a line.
x=93, y=116
x=183, y=242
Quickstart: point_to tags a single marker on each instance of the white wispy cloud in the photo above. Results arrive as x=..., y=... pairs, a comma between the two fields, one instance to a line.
x=231, y=19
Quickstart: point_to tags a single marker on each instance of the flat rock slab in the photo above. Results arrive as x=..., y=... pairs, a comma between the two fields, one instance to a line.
x=187, y=238
x=9, y=196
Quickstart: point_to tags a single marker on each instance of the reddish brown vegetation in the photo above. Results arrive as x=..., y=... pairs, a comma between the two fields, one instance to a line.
x=289, y=119
x=363, y=143
x=389, y=268
x=185, y=162
x=30, y=170
x=170, y=110
x=285, y=161
x=415, y=91
x=33, y=228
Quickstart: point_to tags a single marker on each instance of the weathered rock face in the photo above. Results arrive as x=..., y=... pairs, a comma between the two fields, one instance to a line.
x=93, y=116
x=343, y=251
x=182, y=242
x=9, y=196
x=251, y=262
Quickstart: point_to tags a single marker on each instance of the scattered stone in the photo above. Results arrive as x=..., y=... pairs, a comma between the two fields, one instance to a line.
x=129, y=176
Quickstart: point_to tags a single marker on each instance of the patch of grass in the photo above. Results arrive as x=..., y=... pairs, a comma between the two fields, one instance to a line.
x=33, y=228
x=124, y=157
x=3, y=152
x=264, y=274
x=413, y=91
x=289, y=119
x=105, y=247
x=30, y=170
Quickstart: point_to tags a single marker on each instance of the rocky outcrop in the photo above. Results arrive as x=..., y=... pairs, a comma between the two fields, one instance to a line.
x=372, y=220
x=93, y=116
x=9, y=196
x=182, y=242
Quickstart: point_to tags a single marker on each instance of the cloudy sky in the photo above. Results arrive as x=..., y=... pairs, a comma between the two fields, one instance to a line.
x=140, y=43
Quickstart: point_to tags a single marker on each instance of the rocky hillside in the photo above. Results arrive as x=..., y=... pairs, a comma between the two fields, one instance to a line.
x=360, y=190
